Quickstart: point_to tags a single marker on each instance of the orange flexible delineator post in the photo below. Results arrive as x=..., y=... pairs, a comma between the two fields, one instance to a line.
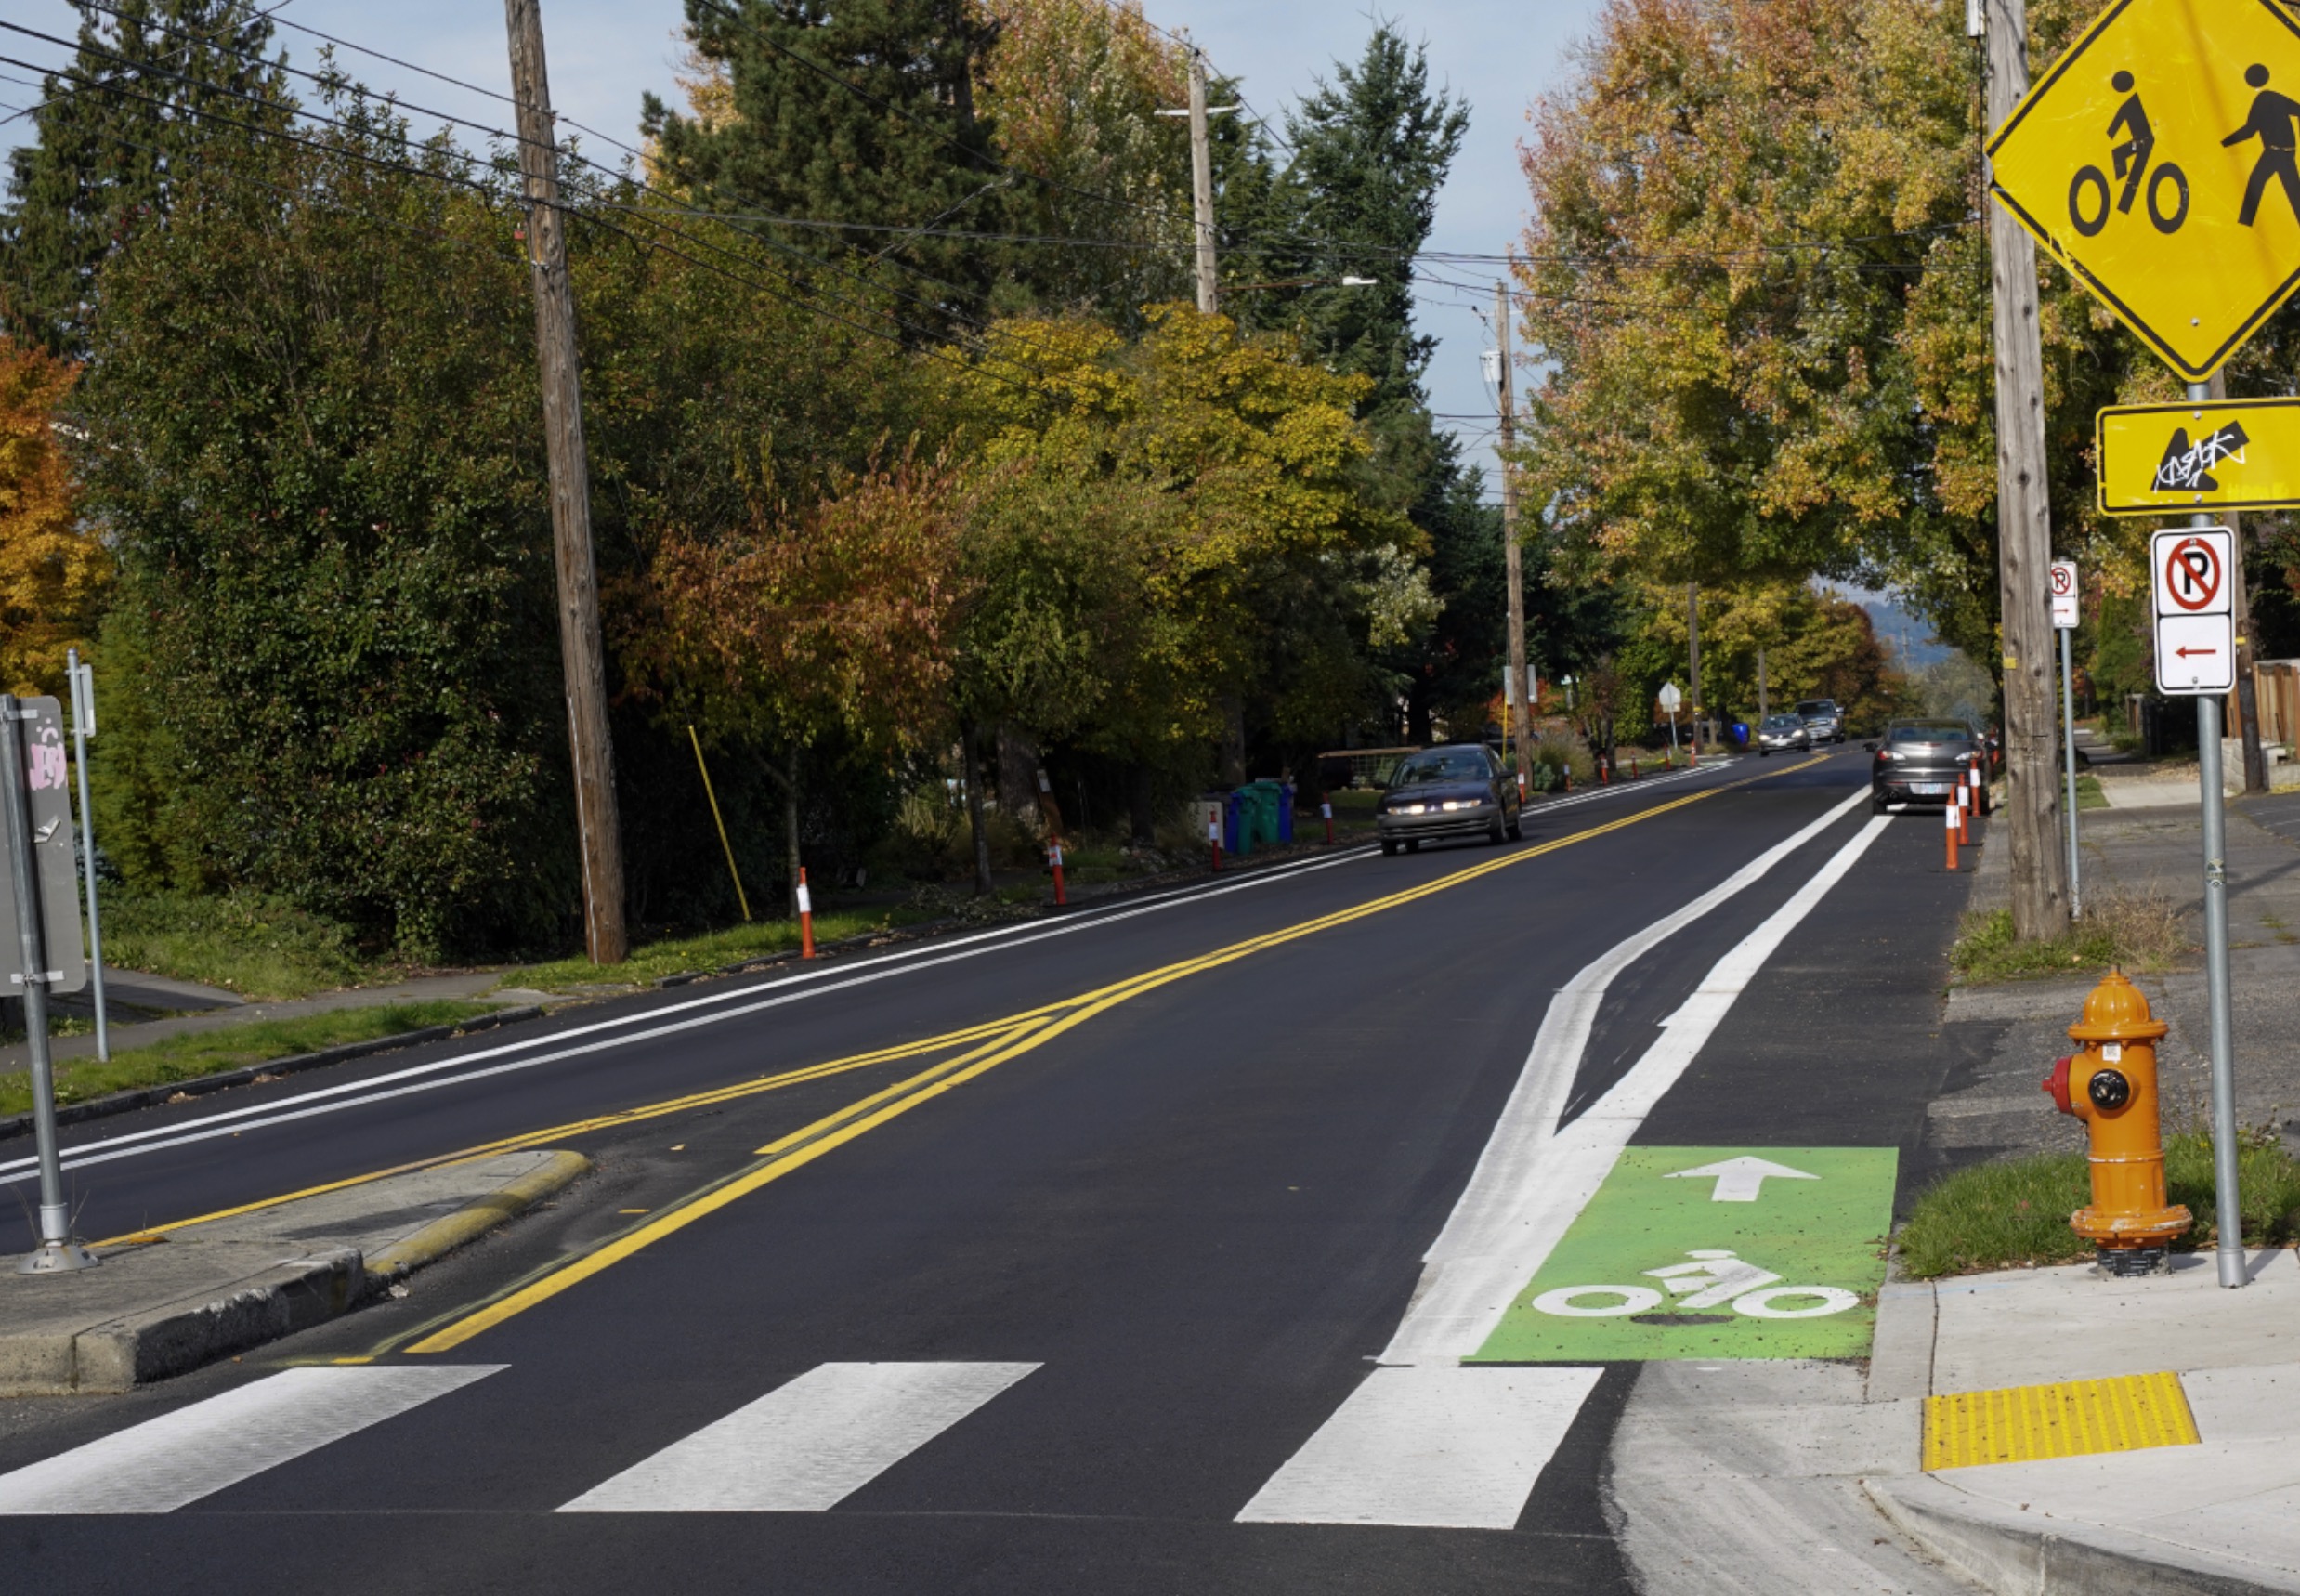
x=1948, y=818
x=807, y=917
x=1053, y=856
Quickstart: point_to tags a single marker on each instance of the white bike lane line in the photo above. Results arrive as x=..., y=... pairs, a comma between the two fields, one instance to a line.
x=1426, y=1441
x=669, y=1019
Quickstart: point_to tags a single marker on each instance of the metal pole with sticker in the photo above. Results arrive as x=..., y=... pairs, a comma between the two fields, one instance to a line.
x=2065, y=617
x=2195, y=625
x=27, y=763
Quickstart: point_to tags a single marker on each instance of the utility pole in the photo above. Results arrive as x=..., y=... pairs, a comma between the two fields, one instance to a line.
x=1763, y=709
x=585, y=672
x=1524, y=710
x=2040, y=888
x=1201, y=182
x=1692, y=663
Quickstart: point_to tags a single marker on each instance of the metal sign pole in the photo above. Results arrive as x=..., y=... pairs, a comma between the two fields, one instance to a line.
x=2227, y=1208
x=56, y=1250
x=2068, y=738
x=84, y=727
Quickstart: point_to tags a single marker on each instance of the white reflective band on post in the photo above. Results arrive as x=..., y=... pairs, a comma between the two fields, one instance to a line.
x=1948, y=816
x=1325, y=811
x=806, y=900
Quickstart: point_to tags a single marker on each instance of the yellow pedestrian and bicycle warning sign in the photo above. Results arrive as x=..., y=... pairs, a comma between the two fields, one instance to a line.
x=2220, y=455
x=2160, y=161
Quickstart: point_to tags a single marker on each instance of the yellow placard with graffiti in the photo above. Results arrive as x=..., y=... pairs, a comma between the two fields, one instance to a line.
x=2235, y=454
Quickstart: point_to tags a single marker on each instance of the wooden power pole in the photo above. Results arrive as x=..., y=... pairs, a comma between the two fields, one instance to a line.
x=585, y=672
x=1201, y=182
x=1692, y=659
x=2040, y=887
x=1522, y=727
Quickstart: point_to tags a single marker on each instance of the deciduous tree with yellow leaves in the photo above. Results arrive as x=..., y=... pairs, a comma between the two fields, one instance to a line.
x=53, y=570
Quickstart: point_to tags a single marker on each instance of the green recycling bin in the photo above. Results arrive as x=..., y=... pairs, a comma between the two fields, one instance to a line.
x=1263, y=800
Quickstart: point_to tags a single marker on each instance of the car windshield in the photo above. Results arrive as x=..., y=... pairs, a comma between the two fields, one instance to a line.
x=1463, y=765
x=1782, y=723
x=1933, y=732
x=1817, y=707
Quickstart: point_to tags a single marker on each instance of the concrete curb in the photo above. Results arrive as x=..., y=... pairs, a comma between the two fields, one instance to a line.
x=2013, y=1554
x=293, y=1294
x=442, y=1237
x=134, y=1097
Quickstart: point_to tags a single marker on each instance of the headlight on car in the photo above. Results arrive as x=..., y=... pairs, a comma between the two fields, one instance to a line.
x=1450, y=804
x=1409, y=809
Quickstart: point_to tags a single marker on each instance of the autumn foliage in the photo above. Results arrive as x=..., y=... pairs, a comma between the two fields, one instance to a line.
x=53, y=572
x=825, y=616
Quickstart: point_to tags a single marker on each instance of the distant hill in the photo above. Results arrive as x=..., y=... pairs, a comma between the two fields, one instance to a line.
x=1909, y=641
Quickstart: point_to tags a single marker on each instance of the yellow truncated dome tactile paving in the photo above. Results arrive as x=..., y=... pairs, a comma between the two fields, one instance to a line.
x=2023, y=1423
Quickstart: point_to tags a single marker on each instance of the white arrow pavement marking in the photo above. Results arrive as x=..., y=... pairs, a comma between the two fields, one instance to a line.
x=1739, y=1180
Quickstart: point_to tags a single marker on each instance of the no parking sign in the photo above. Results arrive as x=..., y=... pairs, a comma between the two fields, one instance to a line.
x=2191, y=571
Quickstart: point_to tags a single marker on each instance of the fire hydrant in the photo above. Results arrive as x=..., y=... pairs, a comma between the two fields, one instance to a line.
x=2111, y=1086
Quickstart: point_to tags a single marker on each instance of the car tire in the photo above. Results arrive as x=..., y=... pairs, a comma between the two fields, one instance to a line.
x=1764, y=752
x=1517, y=829
x=1413, y=845
x=1497, y=833
x=1877, y=805
x=1389, y=848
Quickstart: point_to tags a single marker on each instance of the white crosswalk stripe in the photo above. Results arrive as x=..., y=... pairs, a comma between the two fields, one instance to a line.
x=806, y=1445
x=160, y=1465
x=1434, y=1447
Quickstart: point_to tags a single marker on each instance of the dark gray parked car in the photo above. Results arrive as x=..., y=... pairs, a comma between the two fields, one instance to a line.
x=1785, y=732
x=1922, y=761
x=1458, y=791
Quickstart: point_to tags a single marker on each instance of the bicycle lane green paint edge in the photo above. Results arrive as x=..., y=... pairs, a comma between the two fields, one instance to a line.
x=1827, y=1233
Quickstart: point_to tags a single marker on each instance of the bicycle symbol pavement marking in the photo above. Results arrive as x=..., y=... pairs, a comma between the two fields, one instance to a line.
x=1708, y=1252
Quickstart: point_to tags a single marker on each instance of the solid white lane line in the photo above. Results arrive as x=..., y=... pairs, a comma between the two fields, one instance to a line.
x=433, y=1075
x=163, y=1463
x=808, y=1444
x=1502, y=1244
x=1444, y=1449
x=1492, y=1214
x=436, y=1074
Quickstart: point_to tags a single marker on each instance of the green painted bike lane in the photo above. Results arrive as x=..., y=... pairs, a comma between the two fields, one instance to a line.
x=1713, y=1252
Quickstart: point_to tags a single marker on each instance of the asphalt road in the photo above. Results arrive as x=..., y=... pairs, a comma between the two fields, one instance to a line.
x=1099, y=1285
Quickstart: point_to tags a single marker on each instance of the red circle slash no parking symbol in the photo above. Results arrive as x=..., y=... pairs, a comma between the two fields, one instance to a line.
x=2192, y=573
x=2063, y=581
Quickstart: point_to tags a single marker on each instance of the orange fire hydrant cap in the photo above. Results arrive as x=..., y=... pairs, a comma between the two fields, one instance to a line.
x=2117, y=1011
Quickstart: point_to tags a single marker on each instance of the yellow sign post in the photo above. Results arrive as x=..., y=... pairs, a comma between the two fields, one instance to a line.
x=2159, y=162
x=2236, y=454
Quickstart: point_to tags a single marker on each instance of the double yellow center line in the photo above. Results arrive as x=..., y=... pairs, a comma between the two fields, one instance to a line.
x=991, y=1045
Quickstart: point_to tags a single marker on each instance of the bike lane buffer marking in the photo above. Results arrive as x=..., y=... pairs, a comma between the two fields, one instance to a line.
x=1713, y=1252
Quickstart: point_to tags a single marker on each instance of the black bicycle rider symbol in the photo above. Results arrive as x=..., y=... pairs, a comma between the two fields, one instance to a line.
x=2129, y=159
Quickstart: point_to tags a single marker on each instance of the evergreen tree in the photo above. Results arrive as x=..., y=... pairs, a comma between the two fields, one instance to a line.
x=898, y=145
x=116, y=131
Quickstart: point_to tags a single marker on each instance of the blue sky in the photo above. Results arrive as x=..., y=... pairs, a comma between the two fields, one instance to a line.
x=604, y=53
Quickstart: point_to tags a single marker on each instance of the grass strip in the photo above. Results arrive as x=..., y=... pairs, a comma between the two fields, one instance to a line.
x=2139, y=933
x=676, y=955
x=2088, y=793
x=2014, y=1213
x=195, y=1053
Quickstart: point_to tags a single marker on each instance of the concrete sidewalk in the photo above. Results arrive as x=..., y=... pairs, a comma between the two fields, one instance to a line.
x=164, y=1302
x=2089, y=1509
